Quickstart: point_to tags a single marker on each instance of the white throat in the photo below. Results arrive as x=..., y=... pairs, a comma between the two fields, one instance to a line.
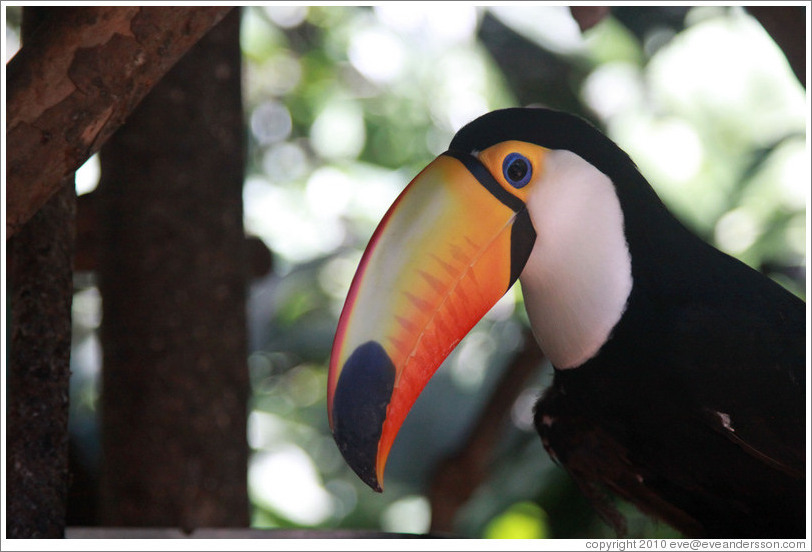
x=578, y=278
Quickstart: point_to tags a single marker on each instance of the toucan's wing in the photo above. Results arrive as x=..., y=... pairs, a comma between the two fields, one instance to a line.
x=760, y=441
x=599, y=462
x=672, y=467
x=758, y=405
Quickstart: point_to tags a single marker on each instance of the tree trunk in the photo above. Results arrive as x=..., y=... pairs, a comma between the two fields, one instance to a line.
x=75, y=82
x=41, y=287
x=172, y=277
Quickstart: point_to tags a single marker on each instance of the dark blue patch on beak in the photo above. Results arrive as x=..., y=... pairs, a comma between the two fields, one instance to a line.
x=362, y=394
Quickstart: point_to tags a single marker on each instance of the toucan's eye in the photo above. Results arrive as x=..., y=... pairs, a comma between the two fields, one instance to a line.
x=517, y=170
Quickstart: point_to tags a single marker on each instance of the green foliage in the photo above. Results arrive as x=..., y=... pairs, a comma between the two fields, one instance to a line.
x=523, y=520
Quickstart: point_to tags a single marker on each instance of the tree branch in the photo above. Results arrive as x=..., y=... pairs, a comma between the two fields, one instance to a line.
x=588, y=16
x=74, y=84
x=787, y=27
x=461, y=473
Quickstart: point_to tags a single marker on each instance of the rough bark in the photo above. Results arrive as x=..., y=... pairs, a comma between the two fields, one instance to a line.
x=172, y=277
x=259, y=257
x=39, y=369
x=74, y=82
x=40, y=292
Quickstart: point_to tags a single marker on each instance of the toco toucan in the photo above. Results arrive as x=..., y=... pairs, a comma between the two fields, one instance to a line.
x=679, y=371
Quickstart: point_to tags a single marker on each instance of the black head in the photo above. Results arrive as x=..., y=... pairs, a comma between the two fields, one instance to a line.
x=548, y=128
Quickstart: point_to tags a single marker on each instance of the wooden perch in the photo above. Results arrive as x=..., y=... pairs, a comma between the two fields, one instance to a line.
x=76, y=81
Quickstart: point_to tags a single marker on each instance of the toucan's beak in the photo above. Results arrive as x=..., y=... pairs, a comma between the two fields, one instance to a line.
x=449, y=247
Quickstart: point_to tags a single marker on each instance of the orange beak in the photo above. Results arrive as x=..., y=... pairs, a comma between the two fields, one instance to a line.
x=449, y=247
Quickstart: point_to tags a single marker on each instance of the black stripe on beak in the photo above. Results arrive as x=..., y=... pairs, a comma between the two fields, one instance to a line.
x=478, y=170
x=522, y=235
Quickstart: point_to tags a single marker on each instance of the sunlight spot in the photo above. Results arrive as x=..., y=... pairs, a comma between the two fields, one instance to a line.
x=443, y=23
x=12, y=42
x=411, y=514
x=474, y=354
x=402, y=17
x=271, y=122
x=459, y=96
x=736, y=231
x=796, y=235
x=671, y=147
x=793, y=179
x=303, y=386
x=522, y=413
x=613, y=88
x=523, y=520
x=451, y=22
x=279, y=215
x=679, y=147
x=468, y=108
x=86, y=308
x=504, y=307
x=285, y=162
x=87, y=176
x=336, y=275
x=287, y=17
x=338, y=131
x=86, y=359
x=377, y=54
x=731, y=69
x=258, y=38
x=279, y=75
x=285, y=480
x=265, y=429
x=375, y=190
x=328, y=192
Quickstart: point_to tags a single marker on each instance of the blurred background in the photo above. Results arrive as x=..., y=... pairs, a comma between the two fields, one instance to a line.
x=343, y=106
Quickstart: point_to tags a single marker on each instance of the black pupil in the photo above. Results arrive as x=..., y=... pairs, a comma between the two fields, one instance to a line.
x=517, y=170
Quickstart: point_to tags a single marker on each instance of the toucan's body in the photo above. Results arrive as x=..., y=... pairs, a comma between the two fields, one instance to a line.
x=680, y=372
x=694, y=409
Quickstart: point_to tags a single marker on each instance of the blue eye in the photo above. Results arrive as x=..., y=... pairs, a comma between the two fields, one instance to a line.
x=517, y=170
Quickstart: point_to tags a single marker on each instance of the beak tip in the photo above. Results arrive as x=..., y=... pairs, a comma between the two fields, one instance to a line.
x=363, y=466
x=361, y=398
x=374, y=485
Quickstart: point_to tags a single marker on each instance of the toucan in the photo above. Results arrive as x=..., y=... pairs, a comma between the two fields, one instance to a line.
x=679, y=371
